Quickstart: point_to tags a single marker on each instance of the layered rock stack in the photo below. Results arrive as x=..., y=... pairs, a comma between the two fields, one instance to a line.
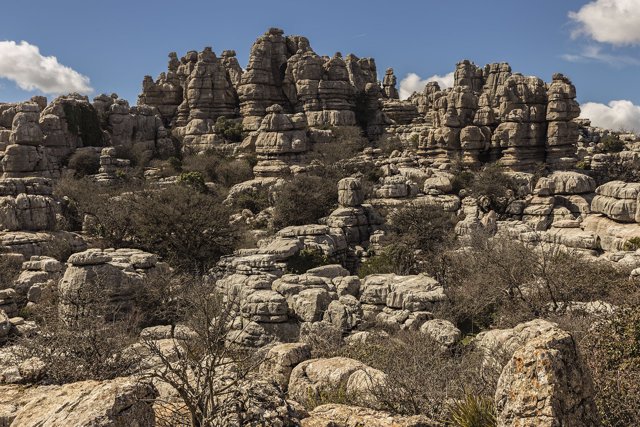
x=562, y=131
x=522, y=133
x=454, y=110
x=166, y=93
x=139, y=128
x=491, y=114
x=389, y=85
x=26, y=155
x=261, y=83
x=350, y=216
x=282, y=70
x=107, y=280
x=280, y=141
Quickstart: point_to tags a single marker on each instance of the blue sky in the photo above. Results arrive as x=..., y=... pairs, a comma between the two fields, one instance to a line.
x=115, y=43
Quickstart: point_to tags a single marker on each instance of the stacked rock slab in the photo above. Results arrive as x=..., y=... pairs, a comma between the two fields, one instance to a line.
x=562, y=131
x=521, y=135
x=68, y=123
x=281, y=70
x=165, y=93
x=280, y=141
x=25, y=154
x=113, y=275
x=357, y=220
x=389, y=85
x=491, y=114
x=139, y=127
x=261, y=83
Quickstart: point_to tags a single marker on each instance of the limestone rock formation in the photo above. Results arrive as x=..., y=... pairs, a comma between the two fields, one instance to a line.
x=114, y=275
x=280, y=140
x=118, y=402
x=545, y=384
x=338, y=415
x=562, y=132
x=313, y=377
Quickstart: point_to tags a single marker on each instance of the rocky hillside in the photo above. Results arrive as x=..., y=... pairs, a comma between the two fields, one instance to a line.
x=291, y=244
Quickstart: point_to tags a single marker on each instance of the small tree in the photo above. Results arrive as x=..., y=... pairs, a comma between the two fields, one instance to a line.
x=204, y=366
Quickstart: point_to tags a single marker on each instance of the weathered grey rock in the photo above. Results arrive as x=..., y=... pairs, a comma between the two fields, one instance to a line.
x=281, y=359
x=617, y=200
x=442, y=331
x=109, y=274
x=546, y=384
x=313, y=377
x=339, y=415
x=119, y=402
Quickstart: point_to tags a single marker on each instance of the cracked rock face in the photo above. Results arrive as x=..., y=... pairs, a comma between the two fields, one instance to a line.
x=545, y=384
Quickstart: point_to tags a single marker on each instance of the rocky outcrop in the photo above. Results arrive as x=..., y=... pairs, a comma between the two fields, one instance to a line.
x=338, y=415
x=279, y=142
x=281, y=359
x=545, y=384
x=139, y=128
x=316, y=377
x=357, y=220
x=119, y=402
x=110, y=279
x=617, y=200
x=562, y=131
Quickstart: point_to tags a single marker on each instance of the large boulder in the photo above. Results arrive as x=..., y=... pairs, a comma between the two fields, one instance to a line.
x=122, y=402
x=316, y=377
x=544, y=384
x=337, y=415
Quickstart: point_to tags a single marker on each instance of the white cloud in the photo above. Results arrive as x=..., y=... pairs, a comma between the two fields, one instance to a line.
x=595, y=53
x=414, y=83
x=30, y=70
x=617, y=115
x=609, y=21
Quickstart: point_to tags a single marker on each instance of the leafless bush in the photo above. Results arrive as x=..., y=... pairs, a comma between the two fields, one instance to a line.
x=205, y=369
x=421, y=378
x=611, y=350
x=88, y=341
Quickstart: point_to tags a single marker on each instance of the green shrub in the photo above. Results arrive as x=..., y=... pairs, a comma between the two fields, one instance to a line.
x=82, y=120
x=229, y=129
x=305, y=260
x=84, y=163
x=217, y=167
x=632, y=244
x=395, y=258
x=175, y=163
x=611, y=144
x=188, y=228
x=194, y=180
x=303, y=200
x=473, y=411
x=422, y=226
x=255, y=201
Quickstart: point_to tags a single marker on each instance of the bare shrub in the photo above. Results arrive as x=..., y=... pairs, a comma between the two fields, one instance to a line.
x=611, y=350
x=502, y=282
x=89, y=343
x=421, y=378
x=204, y=367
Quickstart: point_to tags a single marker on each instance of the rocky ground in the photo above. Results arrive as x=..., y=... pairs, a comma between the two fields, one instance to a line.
x=291, y=244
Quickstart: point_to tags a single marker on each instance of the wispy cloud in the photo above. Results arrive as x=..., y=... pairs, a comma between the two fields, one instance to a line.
x=23, y=64
x=593, y=53
x=414, y=83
